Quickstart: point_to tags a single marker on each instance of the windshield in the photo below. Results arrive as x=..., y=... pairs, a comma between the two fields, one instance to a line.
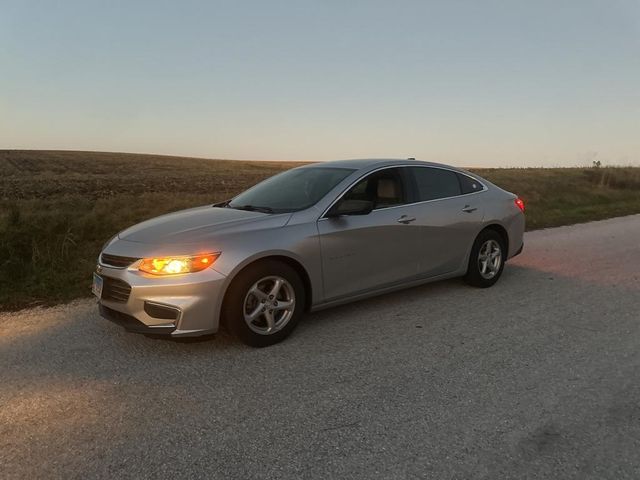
x=292, y=190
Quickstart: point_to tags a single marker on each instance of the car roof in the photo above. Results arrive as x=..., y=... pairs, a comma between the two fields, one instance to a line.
x=368, y=163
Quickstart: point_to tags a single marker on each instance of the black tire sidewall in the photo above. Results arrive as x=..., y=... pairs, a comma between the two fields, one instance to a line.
x=473, y=276
x=233, y=316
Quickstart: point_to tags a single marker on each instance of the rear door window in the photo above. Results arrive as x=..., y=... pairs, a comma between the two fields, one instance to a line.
x=434, y=183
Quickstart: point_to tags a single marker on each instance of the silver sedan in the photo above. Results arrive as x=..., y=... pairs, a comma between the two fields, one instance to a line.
x=308, y=238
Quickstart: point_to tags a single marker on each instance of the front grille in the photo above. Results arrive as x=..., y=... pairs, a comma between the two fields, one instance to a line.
x=115, y=290
x=116, y=261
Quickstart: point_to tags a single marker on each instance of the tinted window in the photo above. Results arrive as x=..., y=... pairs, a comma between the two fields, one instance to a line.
x=292, y=190
x=433, y=183
x=468, y=184
x=384, y=188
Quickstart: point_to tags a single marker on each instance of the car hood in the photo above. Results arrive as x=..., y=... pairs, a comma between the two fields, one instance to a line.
x=199, y=224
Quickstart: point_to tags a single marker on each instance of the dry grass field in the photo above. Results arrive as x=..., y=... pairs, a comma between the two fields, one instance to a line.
x=58, y=208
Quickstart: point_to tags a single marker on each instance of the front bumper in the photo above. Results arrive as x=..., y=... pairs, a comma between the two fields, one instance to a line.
x=179, y=306
x=131, y=324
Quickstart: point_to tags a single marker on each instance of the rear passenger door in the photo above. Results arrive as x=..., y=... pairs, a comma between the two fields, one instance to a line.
x=448, y=213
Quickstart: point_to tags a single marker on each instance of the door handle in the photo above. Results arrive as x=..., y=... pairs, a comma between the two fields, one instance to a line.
x=406, y=219
x=469, y=209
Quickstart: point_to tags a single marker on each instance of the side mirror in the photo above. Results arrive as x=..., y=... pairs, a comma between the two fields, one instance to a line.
x=351, y=207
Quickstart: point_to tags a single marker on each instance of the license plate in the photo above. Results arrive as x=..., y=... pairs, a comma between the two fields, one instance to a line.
x=96, y=287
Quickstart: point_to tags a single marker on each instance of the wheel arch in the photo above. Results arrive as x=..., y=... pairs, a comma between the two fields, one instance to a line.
x=500, y=230
x=288, y=260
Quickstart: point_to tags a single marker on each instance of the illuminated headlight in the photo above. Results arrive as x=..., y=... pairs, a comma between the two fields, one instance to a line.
x=177, y=264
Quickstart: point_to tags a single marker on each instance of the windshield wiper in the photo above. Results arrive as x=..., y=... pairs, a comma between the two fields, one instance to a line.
x=253, y=208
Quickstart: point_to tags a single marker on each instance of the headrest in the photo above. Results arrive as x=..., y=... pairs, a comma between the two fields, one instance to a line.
x=387, y=188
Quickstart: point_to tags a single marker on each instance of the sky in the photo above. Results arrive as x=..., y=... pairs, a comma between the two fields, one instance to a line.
x=469, y=83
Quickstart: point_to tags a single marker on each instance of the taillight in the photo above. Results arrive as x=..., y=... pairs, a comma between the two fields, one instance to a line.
x=520, y=204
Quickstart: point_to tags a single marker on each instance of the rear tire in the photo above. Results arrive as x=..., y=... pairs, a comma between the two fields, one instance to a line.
x=264, y=303
x=486, y=261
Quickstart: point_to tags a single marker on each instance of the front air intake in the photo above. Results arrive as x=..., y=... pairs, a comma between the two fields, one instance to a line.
x=163, y=312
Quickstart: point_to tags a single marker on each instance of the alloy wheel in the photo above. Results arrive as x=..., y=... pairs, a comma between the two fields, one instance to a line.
x=489, y=259
x=269, y=305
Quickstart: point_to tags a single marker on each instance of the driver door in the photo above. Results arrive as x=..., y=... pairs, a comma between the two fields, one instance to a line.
x=365, y=252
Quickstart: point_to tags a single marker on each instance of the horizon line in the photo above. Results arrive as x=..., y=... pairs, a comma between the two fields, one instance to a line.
x=196, y=157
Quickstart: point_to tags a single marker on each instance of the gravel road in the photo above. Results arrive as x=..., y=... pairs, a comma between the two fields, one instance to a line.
x=537, y=377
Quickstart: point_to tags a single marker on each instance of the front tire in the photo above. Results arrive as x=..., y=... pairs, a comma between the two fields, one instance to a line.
x=264, y=304
x=486, y=261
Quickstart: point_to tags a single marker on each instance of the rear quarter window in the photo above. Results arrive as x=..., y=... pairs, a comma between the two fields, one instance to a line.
x=468, y=184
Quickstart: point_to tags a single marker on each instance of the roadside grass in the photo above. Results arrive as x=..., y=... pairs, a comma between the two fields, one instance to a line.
x=564, y=196
x=58, y=208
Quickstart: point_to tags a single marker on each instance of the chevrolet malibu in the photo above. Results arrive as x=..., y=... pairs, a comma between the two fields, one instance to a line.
x=308, y=238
